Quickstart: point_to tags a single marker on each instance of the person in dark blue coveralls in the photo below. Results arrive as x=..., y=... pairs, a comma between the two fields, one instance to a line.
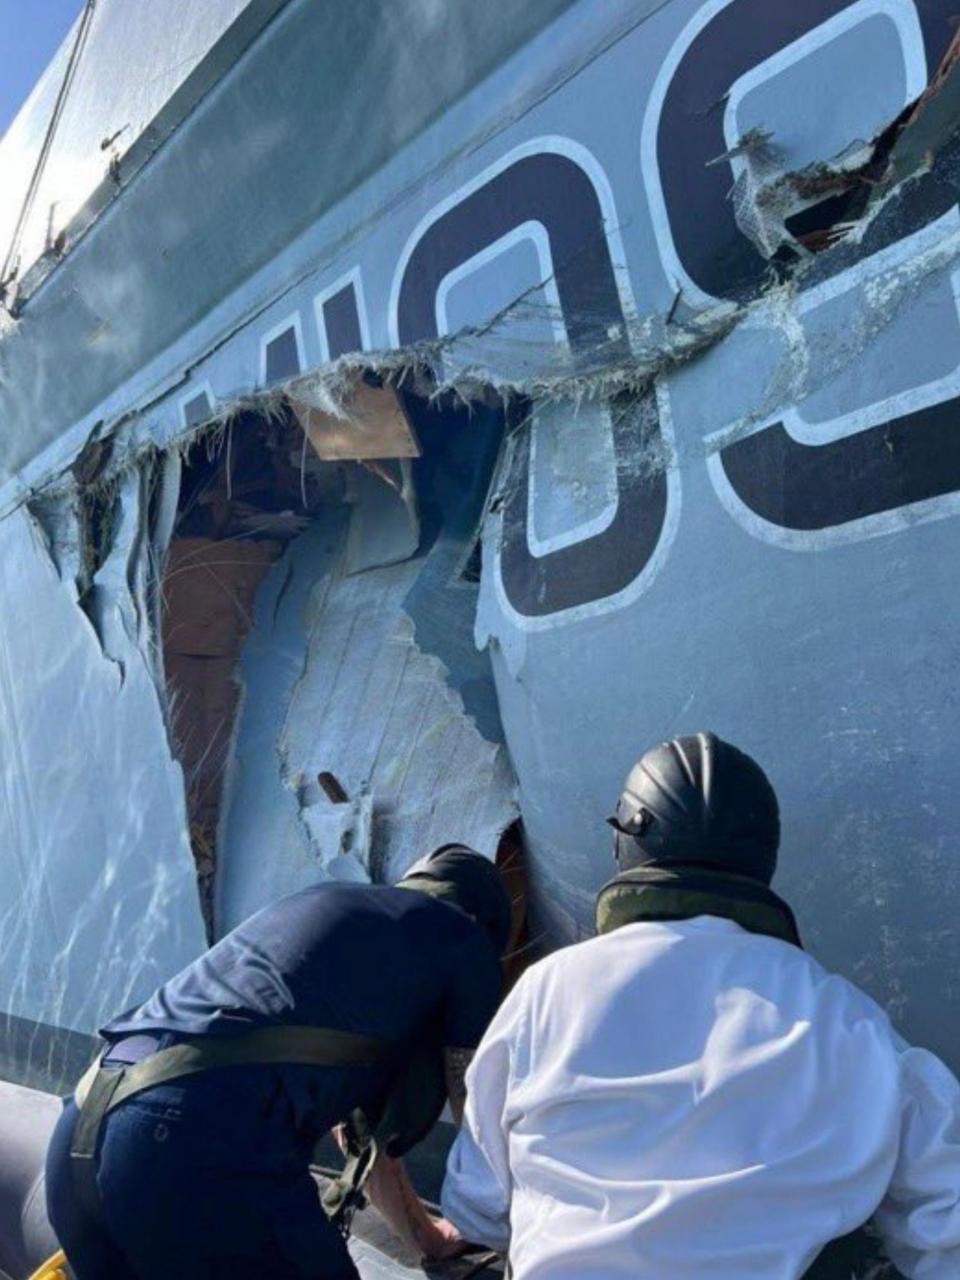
x=207, y=1176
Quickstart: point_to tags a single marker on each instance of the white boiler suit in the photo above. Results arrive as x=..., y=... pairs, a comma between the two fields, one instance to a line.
x=689, y=1100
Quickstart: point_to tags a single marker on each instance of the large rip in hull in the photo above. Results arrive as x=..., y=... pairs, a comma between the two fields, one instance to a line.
x=338, y=685
x=331, y=711
x=309, y=625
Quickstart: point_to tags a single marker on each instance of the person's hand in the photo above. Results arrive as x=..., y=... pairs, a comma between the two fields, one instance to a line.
x=442, y=1241
x=390, y=1192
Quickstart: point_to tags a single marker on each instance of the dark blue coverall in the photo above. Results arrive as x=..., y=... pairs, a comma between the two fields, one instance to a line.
x=207, y=1177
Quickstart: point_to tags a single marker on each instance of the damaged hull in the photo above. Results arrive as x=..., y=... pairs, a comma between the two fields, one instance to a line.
x=709, y=346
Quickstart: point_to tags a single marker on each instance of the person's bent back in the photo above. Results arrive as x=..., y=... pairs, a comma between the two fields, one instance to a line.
x=690, y=1094
x=186, y=1151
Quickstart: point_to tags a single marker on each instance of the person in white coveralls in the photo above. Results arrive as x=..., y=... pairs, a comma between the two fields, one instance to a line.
x=689, y=1094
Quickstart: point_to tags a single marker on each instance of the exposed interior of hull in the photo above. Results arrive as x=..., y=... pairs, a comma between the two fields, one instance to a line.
x=326, y=699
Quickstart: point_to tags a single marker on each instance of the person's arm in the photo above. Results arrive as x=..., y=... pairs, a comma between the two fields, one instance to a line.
x=477, y=1188
x=919, y=1219
x=390, y=1191
x=392, y=1194
x=470, y=1003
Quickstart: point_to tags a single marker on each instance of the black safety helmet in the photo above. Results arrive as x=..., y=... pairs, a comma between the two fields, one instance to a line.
x=698, y=801
x=468, y=880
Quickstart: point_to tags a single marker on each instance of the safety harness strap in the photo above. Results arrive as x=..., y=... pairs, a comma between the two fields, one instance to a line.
x=104, y=1088
x=293, y=1046
x=344, y=1194
x=101, y=1085
x=410, y=1110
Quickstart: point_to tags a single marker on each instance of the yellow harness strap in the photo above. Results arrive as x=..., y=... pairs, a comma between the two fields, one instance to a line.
x=54, y=1268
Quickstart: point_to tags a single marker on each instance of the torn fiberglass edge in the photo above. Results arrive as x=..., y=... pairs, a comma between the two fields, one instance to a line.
x=787, y=215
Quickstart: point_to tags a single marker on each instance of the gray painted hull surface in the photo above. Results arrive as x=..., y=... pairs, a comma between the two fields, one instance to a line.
x=729, y=498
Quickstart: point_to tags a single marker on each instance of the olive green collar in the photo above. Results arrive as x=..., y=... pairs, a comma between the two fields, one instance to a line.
x=681, y=893
x=445, y=890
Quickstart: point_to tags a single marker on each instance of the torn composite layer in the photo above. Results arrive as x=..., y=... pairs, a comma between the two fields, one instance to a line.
x=101, y=900
x=482, y=365
x=334, y=682
x=841, y=355
x=463, y=360
x=370, y=424
x=839, y=193
x=380, y=715
x=811, y=346
x=97, y=315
